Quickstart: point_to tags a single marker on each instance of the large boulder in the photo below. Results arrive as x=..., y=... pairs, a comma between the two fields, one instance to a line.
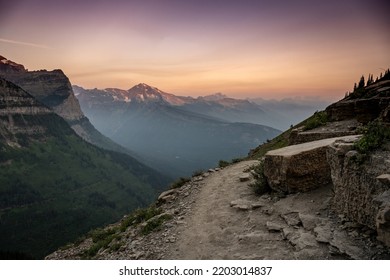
x=302, y=167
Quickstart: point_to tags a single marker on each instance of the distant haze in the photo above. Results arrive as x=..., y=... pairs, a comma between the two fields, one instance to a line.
x=248, y=48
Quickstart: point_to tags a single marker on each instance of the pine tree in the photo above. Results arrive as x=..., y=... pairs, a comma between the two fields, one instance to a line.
x=370, y=79
x=361, y=82
x=387, y=74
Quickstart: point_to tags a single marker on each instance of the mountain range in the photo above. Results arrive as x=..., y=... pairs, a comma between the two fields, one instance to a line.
x=55, y=186
x=320, y=190
x=171, y=133
x=60, y=177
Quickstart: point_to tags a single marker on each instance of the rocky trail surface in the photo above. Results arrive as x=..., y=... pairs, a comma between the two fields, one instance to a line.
x=217, y=215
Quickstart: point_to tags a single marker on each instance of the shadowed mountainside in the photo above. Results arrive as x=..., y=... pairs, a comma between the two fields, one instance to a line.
x=54, y=186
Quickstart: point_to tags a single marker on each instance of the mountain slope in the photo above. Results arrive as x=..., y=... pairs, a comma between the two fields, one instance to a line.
x=53, y=89
x=171, y=139
x=334, y=202
x=54, y=186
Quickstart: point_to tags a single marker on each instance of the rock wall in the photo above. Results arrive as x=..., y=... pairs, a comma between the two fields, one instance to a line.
x=373, y=103
x=361, y=190
x=364, y=110
x=52, y=88
x=329, y=130
x=300, y=168
x=15, y=106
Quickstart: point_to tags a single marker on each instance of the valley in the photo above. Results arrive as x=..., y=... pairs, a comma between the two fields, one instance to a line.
x=306, y=193
x=168, y=137
x=320, y=191
x=55, y=186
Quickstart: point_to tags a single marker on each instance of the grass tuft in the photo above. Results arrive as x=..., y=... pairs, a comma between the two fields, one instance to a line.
x=180, y=182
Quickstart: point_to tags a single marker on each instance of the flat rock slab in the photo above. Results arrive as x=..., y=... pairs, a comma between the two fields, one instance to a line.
x=168, y=193
x=241, y=204
x=302, y=167
x=292, y=219
x=245, y=177
x=384, y=178
x=272, y=226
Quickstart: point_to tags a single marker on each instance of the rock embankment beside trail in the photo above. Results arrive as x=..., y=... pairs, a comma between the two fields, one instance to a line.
x=302, y=167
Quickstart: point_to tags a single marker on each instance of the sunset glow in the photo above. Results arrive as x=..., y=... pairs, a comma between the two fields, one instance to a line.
x=270, y=49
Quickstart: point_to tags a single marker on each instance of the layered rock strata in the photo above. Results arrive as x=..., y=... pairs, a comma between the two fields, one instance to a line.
x=374, y=105
x=361, y=190
x=300, y=168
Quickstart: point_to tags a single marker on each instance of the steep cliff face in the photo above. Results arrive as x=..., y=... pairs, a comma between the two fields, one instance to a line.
x=16, y=107
x=53, y=89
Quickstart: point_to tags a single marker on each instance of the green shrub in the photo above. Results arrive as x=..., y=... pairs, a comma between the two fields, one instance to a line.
x=155, y=224
x=139, y=216
x=374, y=135
x=317, y=120
x=116, y=246
x=94, y=249
x=101, y=234
x=235, y=160
x=223, y=163
x=101, y=239
x=180, y=182
x=260, y=185
x=197, y=173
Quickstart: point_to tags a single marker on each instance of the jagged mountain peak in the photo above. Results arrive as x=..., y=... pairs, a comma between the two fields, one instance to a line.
x=214, y=97
x=8, y=66
x=145, y=93
x=146, y=88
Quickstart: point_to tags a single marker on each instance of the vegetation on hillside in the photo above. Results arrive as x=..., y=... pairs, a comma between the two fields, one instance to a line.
x=317, y=120
x=375, y=134
x=146, y=219
x=60, y=187
x=282, y=140
x=179, y=182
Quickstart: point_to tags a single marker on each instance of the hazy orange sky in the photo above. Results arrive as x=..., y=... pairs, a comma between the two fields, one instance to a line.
x=246, y=48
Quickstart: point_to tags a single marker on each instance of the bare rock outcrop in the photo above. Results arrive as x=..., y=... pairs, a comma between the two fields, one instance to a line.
x=361, y=190
x=51, y=88
x=300, y=168
x=16, y=106
x=374, y=104
x=54, y=90
x=329, y=130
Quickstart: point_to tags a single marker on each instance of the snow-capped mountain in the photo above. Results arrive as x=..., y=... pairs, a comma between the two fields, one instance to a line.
x=160, y=128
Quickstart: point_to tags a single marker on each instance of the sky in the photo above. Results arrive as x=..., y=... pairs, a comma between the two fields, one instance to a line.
x=243, y=48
